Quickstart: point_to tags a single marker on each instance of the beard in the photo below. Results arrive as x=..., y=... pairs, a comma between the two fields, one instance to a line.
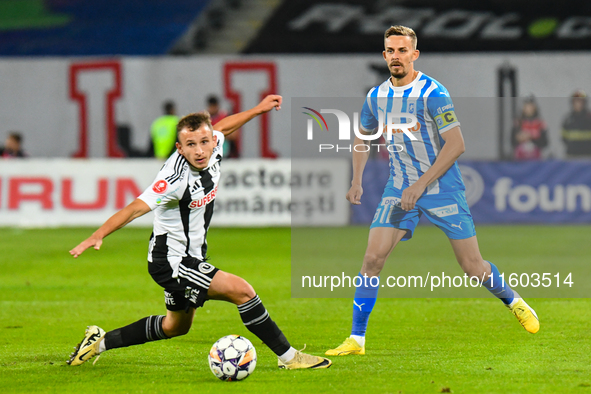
x=401, y=73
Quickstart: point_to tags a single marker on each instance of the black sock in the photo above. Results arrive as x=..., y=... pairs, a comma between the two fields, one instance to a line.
x=142, y=331
x=257, y=320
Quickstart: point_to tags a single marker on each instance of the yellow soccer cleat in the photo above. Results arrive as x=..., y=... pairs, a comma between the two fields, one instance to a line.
x=526, y=315
x=89, y=347
x=305, y=361
x=350, y=346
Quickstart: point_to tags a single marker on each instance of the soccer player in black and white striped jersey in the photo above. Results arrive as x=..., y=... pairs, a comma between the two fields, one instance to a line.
x=182, y=197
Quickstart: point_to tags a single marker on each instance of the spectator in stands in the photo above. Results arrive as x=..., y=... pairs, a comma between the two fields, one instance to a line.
x=13, y=146
x=217, y=114
x=529, y=136
x=163, y=133
x=576, y=128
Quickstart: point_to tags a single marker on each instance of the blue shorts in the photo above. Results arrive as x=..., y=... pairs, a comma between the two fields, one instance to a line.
x=448, y=211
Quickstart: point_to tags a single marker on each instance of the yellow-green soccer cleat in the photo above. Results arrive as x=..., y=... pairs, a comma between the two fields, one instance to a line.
x=526, y=315
x=303, y=361
x=89, y=347
x=350, y=346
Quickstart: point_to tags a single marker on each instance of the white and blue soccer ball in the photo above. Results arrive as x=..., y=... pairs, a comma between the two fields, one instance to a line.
x=232, y=358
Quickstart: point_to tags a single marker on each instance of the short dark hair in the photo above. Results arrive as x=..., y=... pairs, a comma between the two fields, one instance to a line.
x=193, y=121
x=402, y=31
x=168, y=107
x=213, y=100
x=15, y=135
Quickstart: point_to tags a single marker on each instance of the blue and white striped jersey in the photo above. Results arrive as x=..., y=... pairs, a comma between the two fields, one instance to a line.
x=429, y=101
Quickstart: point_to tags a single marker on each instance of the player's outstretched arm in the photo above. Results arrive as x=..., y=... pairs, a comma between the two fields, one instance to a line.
x=133, y=211
x=453, y=148
x=359, y=162
x=231, y=123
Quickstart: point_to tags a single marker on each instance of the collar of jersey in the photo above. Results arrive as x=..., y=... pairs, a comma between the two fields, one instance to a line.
x=410, y=85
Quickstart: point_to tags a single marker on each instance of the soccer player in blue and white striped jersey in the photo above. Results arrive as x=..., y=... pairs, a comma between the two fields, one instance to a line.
x=424, y=180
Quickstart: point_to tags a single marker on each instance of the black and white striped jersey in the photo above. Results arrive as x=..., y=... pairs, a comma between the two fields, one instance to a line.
x=182, y=199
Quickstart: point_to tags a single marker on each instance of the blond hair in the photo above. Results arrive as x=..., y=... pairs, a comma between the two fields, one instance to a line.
x=402, y=31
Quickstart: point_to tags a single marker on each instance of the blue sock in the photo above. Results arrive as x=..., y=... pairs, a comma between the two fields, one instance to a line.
x=363, y=303
x=497, y=286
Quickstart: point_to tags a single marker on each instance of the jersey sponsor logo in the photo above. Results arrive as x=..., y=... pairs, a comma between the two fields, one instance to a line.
x=415, y=129
x=209, y=197
x=447, y=210
x=160, y=186
x=446, y=119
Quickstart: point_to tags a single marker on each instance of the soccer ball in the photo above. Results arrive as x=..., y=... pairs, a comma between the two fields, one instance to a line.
x=232, y=358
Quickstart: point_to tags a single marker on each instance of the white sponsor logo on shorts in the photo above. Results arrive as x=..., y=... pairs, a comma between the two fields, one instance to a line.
x=192, y=294
x=168, y=298
x=444, y=211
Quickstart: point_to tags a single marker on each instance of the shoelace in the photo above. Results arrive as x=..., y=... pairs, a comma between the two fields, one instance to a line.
x=299, y=355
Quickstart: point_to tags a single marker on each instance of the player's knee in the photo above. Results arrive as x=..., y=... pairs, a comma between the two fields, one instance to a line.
x=474, y=266
x=373, y=263
x=175, y=328
x=243, y=292
x=182, y=330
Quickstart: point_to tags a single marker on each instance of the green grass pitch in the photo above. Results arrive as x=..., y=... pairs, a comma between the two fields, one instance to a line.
x=420, y=345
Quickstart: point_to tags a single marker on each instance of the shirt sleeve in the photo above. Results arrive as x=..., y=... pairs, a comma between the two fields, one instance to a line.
x=441, y=109
x=369, y=118
x=219, y=149
x=168, y=185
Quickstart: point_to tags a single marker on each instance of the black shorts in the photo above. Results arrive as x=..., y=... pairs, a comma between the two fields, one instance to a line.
x=189, y=289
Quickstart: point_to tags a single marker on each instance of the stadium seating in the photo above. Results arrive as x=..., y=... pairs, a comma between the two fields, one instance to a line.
x=79, y=28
